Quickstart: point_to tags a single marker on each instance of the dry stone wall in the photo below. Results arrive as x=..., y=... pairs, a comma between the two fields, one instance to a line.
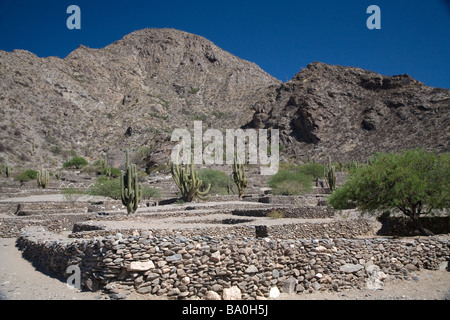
x=183, y=267
x=338, y=228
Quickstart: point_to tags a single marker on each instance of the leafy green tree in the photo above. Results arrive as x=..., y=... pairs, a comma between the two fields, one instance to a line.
x=315, y=170
x=414, y=182
x=77, y=162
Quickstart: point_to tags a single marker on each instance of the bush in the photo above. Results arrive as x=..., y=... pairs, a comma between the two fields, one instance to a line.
x=414, y=182
x=220, y=182
x=111, y=172
x=106, y=187
x=160, y=167
x=150, y=192
x=75, y=162
x=287, y=182
x=90, y=169
x=27, y=175
x=72, y=194
x=315, y=170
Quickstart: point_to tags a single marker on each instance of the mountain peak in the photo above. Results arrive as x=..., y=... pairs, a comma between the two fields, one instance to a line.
x=151, y=80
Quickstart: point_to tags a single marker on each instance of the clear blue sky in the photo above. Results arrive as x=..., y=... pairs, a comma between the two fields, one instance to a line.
x=279, y=36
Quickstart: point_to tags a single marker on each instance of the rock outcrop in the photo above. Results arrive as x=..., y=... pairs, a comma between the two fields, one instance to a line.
x=349, y=114
x=133, y=93
x=130, y=94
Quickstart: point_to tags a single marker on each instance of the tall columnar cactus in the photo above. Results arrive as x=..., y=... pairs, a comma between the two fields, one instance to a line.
x=186, y=179
x=43, y=178
x=330, y=175
x=8, y=171
x=239, y=176
x=131, y=190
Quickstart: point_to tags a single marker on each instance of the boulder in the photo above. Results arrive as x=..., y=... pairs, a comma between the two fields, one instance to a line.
x=212, y=295
x=141, y=265
x=233, y=293
x=350, y=268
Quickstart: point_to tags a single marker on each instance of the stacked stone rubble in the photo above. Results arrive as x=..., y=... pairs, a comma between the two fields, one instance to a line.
x=184, y=267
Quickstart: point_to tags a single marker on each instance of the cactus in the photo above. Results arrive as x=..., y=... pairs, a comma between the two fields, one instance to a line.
x=131, y=191
x=8, y=171
x=239, y=176
x=108, y=172
x=188, y=182
x=43, y=178
x=330, y=175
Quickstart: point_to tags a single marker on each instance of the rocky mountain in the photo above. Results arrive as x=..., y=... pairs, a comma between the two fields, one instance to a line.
x=133, y=93
x=350, y=113
x=128, y=95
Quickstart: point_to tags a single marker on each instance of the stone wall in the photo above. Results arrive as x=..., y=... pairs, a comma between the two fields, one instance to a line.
x=56, y=207
x=182, y=267
x=305, y=212
x=309, y=230
x=10, y=226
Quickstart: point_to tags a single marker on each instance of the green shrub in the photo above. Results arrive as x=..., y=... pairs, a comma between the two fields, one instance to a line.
x=72, y=194
x=160, y=167
x=315, y=170
x=286, y=182
x=150, y=192
x=220, y=182
x=111, y=172
x=76, y=162
x=142, y=176
x=90, y=169
x=27, y=175
x=106, y=187
x=414, y=182
x=291, y=187
x=101, y=163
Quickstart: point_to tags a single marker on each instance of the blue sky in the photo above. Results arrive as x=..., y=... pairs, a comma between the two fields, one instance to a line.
x=280, y=36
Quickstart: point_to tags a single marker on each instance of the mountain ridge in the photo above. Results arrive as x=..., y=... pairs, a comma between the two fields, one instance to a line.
x=350, y=113
x=134, y=92
x=150, y=81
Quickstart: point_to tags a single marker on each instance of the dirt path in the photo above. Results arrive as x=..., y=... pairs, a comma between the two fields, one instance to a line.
x=20, y=281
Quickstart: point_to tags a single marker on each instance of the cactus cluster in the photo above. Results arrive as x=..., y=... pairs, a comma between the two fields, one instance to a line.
x=43, y=178
x=131, y=191
x=239, y=176
x=187, y=180
x=330, y=175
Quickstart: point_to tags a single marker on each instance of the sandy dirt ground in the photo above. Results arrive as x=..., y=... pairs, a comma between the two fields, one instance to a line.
x=19, y=280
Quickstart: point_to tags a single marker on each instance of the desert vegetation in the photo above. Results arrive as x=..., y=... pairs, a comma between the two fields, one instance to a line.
x=198, y=227
x=188, y=182
x=295, y=179
x=414, y=182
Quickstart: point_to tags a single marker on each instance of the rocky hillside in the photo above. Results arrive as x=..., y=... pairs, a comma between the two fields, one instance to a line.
x=133, y=93
x=130, y=94
x=350, y=113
